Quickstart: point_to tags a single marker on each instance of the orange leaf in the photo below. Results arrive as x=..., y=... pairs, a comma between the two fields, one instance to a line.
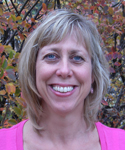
x=70, y=4
x=92, y=7
x=32, y=19
x=1, y=109
x=113, y=49
x=44, y=6
x=7, y=124
x=21, y=36
x=10, y=88
x=105, y=103
x=2, y=92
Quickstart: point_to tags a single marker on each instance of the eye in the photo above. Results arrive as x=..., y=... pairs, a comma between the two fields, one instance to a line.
x=77, y=59
x=51, y=57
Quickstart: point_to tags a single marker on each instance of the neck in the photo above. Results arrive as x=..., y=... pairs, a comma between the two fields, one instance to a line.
x=64, y=127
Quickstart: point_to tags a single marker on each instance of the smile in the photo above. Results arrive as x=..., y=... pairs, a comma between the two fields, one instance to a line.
x=63, y=89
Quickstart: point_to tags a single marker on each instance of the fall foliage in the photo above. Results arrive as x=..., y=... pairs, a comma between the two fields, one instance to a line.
x=18, y=18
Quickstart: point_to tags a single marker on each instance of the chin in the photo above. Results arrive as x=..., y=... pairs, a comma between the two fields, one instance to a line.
x=64, y=110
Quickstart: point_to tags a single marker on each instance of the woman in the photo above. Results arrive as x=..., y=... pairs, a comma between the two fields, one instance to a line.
x=63, y=74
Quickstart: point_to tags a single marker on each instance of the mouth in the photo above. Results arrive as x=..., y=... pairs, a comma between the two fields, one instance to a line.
x=62, y=89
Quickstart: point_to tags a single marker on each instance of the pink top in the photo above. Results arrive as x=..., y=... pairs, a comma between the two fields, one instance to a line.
x=110, y=138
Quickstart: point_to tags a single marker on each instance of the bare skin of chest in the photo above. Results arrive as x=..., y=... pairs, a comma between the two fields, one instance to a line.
x=32, y=141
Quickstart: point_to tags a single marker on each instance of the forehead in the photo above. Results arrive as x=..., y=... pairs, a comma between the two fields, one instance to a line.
x=68, y=45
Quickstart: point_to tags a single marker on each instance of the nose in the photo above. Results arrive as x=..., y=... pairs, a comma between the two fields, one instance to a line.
x=64, y=70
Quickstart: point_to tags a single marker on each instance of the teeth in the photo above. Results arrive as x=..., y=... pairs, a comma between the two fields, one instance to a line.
x=63, y=89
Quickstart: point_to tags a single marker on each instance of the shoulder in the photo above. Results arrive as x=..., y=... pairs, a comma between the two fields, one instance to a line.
x=111, y=137
x=8, y=137
x=110, y=130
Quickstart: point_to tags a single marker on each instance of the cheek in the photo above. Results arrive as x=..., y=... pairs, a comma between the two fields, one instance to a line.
x=43, y=72
x=84, y=75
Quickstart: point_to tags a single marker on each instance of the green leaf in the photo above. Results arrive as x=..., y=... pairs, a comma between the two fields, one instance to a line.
x=13, y=17
x=12, y=121
x=17, y=93
x=9, y=67
x=17, y=55
x=8, y=48
x=17, y=111
x=4, y=65
x=11, y=55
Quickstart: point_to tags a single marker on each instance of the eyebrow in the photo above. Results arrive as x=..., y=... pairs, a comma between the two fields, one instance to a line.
x=71, y=52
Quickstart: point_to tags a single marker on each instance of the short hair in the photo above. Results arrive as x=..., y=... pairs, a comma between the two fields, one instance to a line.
x=53, y=28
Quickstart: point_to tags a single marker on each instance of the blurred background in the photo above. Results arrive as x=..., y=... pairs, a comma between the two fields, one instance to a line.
x=18, y=18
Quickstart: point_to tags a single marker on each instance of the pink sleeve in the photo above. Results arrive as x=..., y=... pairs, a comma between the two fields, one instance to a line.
x=8, y=139
x=111, y=138
x=12, y=138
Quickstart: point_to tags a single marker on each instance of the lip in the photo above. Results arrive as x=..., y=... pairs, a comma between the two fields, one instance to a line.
x=62, y=85
x=62, y=94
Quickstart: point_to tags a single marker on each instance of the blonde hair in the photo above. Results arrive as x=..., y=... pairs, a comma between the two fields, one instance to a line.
x=53, y=29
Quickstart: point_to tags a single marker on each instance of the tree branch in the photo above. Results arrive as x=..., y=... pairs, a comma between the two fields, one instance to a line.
x=38, y=12
x=58, y=4
x=15, y=8
x=23, y=6
x=21, y=46
x=119, y=97
x=30, y=9
x=7, y=107
x=123, y=127
x=11, y=37
x=7, y=5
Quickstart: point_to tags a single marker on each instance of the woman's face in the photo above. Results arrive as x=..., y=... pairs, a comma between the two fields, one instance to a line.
x=63, y=76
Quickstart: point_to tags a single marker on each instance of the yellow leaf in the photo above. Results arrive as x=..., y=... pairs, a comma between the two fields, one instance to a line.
x=10, y=88
x=9, y=20
x=1, y=11
x=2, y=92
x=80, y=1
x=111, y=11
x=8, y=48
x=27, y=25
x=17, y=55
x=1, y=31
x=18, y=18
